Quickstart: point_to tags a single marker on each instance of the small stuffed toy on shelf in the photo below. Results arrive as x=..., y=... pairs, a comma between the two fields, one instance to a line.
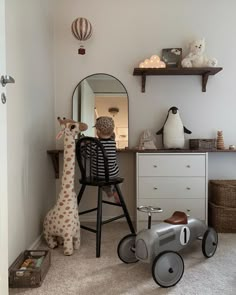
x=173, y=130
x=196, y=57
x=147, y=140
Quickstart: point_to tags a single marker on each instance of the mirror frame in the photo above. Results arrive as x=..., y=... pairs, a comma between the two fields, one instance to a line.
x=77, y=85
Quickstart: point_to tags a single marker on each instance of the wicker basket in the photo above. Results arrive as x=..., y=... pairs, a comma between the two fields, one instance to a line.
x=223, y=192
x=223, y=219
x=29, y=277
x=202, y=144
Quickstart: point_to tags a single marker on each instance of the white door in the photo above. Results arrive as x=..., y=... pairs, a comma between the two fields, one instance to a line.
x=3, y=163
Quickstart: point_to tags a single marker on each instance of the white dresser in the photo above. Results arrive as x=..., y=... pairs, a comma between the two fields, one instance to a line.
x=172, y=181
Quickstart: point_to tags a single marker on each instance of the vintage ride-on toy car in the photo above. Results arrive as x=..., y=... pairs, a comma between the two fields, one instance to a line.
x=160, y=243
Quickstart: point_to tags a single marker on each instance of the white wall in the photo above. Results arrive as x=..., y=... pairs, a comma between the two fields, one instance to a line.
x=127, y=32
x=31, y=120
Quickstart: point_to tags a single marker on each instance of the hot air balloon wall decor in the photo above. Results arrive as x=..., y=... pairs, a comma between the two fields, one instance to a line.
x=82, y=30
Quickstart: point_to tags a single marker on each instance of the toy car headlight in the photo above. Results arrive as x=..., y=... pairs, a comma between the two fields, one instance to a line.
x=141, y=249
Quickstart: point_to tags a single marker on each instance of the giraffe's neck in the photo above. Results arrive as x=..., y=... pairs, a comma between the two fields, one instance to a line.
x=67, y=184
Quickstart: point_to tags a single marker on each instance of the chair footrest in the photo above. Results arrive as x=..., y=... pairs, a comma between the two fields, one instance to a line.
x=113, y=219
x=88, y=211
x=111, y=203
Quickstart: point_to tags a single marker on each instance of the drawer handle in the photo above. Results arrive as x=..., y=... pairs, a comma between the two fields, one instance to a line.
x=188, y=166
x=188, y=188
x=155, y=166
x=155, y=188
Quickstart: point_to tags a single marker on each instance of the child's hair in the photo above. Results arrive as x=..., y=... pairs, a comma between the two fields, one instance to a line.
x=105, y=125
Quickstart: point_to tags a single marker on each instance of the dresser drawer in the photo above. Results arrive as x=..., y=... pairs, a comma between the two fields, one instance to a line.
x=171, y=165
x=171, y=187
x=196, y=206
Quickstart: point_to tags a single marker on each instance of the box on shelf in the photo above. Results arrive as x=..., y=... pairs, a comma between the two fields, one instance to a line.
x=201, y=144
x=29, y=269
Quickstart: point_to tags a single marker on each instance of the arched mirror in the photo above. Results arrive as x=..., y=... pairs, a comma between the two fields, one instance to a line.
x=102, y=95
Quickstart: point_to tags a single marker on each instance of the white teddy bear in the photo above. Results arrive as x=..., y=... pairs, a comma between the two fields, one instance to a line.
x=196, y=57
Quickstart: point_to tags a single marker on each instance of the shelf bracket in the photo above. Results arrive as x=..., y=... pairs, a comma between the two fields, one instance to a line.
x=204, y=81
x=143, y=82
x=55, y=162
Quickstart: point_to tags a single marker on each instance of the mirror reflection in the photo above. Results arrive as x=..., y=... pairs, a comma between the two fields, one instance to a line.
x=102, y=95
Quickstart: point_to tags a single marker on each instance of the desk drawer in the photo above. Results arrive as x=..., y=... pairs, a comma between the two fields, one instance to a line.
x=171, y=165
x=171, y=187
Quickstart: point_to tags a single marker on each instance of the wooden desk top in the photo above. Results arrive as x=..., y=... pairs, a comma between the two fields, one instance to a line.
x=54, y=154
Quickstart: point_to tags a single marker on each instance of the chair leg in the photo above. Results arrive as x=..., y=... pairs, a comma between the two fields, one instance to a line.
x=80, y=193
x=99, y=223
x=123, y=205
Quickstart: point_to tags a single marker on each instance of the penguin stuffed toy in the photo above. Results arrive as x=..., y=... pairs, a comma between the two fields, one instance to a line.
x=173, y=130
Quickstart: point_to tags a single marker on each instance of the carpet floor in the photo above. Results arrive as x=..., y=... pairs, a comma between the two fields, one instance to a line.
x=84, y=274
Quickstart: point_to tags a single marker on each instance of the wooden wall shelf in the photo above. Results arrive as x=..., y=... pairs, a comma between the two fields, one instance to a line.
x=54, y=154
x=204, y=72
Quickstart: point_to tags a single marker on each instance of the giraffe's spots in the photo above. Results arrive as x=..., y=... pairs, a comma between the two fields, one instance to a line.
x=67, y=220
x=66, y=234
x=69, y=146
x=60, y=216
x=68, y=172
x=66, y=196
x=67, y=208
x=67, y=186
x=61, y=203
x=68, y=159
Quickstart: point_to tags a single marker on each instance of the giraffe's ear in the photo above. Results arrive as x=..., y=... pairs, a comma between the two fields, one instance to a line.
x=59, y=135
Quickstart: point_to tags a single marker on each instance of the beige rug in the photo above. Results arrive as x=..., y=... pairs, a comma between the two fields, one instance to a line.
x=83, y=274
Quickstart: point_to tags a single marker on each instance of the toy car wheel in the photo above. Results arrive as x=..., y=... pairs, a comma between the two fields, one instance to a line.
x=167, y=269
x=209, y=242
x=126, y=249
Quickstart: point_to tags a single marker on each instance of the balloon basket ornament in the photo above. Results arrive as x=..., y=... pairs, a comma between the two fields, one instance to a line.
x=81, y=50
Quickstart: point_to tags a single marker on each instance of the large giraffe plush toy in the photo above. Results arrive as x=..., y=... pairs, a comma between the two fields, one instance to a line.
x=62, y=221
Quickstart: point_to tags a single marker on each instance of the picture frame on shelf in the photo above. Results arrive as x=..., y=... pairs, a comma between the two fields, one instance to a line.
x=172, y=57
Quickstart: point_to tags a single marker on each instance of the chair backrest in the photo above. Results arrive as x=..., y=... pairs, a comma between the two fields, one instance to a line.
x=92, y=159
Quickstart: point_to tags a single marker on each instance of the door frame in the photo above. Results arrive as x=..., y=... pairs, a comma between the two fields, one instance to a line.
x=3, y=161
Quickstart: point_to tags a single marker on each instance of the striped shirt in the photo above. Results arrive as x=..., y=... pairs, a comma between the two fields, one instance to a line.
x=110, y=150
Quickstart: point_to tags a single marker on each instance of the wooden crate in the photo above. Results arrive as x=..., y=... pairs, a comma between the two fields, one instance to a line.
x=29, y=277
x=202, y=144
